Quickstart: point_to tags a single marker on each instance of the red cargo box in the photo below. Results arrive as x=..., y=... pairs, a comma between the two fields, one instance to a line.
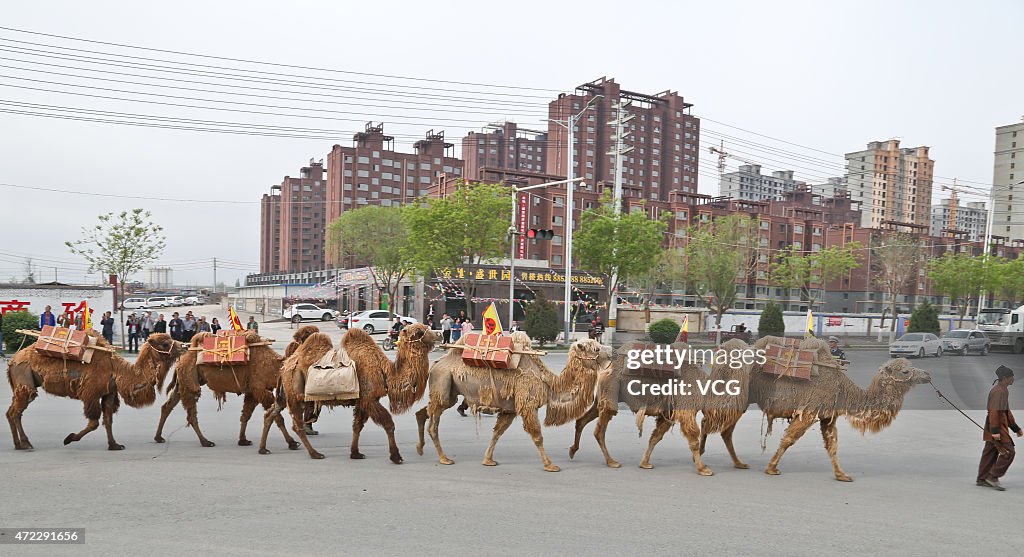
x=789, y=362
x=225, y=350
x=494, y=351
x=231, y=333
x=61, y=342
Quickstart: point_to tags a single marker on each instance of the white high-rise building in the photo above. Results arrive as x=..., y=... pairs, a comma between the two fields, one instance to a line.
x=1008, y=194
x=970, y=217
x=749, y=184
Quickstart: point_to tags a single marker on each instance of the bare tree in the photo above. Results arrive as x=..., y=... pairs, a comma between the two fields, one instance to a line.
x=897, y=259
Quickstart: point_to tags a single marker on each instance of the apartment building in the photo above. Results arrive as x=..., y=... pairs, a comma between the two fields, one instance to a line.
x=747, y=183
x=1008, y=182
x=965, y=220
x=893, y=184
x=292, y=221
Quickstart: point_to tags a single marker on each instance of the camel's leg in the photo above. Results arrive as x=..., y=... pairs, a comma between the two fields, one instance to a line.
x=604, y=417
x=189, y=400
x=93, y=411
x=382, y=417
x=435, y=410
x=504, y=420
x=270, y=415
x=358, y=422
x=661, y=426
x=532, y=426
x=173, y=398
x=581, y=423
x=110, y=406
x=727, y=437
x=831, y=437
x=688, y=425
x=248, y=407
x=295, y=408
x=794, y=431
x=704, y=426
x=22, y=397
x=421, y=422
x=268, y=403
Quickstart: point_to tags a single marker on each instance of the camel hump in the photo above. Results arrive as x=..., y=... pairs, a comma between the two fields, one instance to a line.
x=305, y=332
x=356, y=336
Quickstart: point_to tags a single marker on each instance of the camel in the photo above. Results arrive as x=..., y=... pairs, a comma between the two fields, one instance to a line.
x=255, y=380
x=515, y=392
x=823, y=399
x=100, y=384
x=626, y=386
x=402, y=381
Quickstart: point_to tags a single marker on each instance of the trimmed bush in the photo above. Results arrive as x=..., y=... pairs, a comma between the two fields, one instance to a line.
x=771, y=322
x=663, y=331
x=924, y=319
x=15, y=320
x=542, y=320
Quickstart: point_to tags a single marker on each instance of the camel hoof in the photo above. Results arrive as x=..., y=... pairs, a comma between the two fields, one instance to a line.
x=552, y=468
x=772, y=471
x=293, y=446
x=159, y=439
x=741, y=465
x=646, y=465
x=490, y=462
x=22, y=447
x=572, y=452
x=844, y=478
x=705, y=472
x=613, y=464
x=264, y=451
x=419, y=450
x=71, y=438
x=207, y=443
x=357, y=456
x=316, y=456
x=244, y=443
x=115, y=447
x=446, y=461
x=397, y=458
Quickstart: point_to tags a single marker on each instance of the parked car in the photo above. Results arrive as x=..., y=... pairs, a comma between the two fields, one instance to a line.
x=175, y=301
x=916, y=344
x=191, y=301
x=963, y=341
x=134, y=303
x=375, y=320
x=156, y=302
x=298, y=312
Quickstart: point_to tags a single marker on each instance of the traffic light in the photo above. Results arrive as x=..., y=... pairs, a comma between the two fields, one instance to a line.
x=538, y=234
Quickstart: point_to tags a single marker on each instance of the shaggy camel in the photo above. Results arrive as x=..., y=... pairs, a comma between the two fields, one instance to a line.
x=824, y=399
x=255, y=379
x=97, y=384
x=515, y=392
x=402, y=381
x=627, y=386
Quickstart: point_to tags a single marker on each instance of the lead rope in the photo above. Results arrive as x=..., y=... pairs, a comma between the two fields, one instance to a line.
x=1002, y=451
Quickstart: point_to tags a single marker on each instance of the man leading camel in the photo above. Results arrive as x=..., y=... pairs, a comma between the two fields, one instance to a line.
x=999, y=452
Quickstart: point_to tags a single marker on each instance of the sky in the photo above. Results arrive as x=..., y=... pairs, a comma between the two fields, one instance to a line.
x=792, y=84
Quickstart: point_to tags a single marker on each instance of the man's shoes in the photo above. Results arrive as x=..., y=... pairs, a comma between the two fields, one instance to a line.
x=994, y=484
x=982, y=483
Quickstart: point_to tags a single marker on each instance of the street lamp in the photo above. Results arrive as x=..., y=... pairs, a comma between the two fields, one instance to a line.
x=568, y=124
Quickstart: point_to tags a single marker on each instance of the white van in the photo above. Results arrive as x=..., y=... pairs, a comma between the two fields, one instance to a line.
x=134, y=303
x=157, y=302
x=175, y=301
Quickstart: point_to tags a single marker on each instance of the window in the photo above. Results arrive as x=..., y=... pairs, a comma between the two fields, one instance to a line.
x=364, y=160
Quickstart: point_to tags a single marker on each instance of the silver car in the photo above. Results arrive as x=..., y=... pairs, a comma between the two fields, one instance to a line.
x=916, y=344
x=963, y=341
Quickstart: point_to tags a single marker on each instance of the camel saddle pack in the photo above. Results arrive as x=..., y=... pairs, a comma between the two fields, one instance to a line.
x=65, y=344
x=653, y=370
x=332, y=378
x=789, y=360
x=224, y=350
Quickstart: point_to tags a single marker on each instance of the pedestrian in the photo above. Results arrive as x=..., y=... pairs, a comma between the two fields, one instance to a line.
x=65, y=320
x=188, y=327
x=47, y=318
x=177, y=328
x=446, y=328
x=147, y=324
x=998, y=453
x=514, y=327
x=107, y=327
x=252, y=325
x=596, y=328
x=215, y=326
x=160, y=326
x=430, y=322
x=833, y=347
x=134, y=328
x=1, y=334
x=456, y=329
x=202, y=326
x=467, y=327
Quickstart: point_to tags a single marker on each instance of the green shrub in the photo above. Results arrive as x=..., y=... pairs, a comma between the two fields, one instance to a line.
x=19, y=320
x=663, y=331
x=924, y=319
x=771, y=322
x=542, y=320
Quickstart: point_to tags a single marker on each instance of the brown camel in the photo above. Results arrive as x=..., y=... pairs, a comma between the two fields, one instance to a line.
x=99, y=384
x=402, y=381
x=515, y=392
x=823, y=399
x=255, y=380
x=623, y=385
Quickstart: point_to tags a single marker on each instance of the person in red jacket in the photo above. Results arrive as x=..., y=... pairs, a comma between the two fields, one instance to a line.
x=999, y=452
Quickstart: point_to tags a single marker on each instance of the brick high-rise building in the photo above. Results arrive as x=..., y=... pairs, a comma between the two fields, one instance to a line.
x=292, y=223
x=503, y=146
x=893, y=184
x=1008, y=215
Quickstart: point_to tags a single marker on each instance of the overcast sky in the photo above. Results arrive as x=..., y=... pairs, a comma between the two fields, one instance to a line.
x=831, y=76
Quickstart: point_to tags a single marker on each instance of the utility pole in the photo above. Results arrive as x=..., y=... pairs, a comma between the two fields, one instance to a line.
x=214, y=275
x=621, y=132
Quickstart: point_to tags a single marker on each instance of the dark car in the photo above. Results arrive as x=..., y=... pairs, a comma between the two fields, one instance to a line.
x=963, y=341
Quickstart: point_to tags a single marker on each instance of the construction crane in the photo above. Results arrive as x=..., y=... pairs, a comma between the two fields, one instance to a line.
x=953, y=202
x=722, y=154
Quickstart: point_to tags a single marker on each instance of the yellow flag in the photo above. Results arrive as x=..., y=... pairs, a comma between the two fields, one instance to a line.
x=810, y=323
x=492, y=324
x=236, y=323
x=686, y=323
x=86, y=316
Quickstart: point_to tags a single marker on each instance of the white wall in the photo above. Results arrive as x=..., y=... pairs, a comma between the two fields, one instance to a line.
x=38, y=297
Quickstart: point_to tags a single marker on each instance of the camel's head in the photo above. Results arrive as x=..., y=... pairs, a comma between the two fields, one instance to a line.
x=592, y=355
x=892, y=382
x=418, y=336
x=901, y=372
x=155, y=359
x=522, y=341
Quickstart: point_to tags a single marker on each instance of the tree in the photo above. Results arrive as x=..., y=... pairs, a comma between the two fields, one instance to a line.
x=378, y=236
x=663, y=331
x=771, y=321
x=623, y=246
x=963, y=277
x=120, y=245
x=896, y=260
x=924, y=319
x=14, y=320
x=1011, y=279
x=469, y=226
x=719, y=254
x=796, y=269
x=542, y=321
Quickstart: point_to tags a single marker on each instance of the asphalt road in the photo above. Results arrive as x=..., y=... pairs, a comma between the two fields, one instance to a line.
x=914, y=492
